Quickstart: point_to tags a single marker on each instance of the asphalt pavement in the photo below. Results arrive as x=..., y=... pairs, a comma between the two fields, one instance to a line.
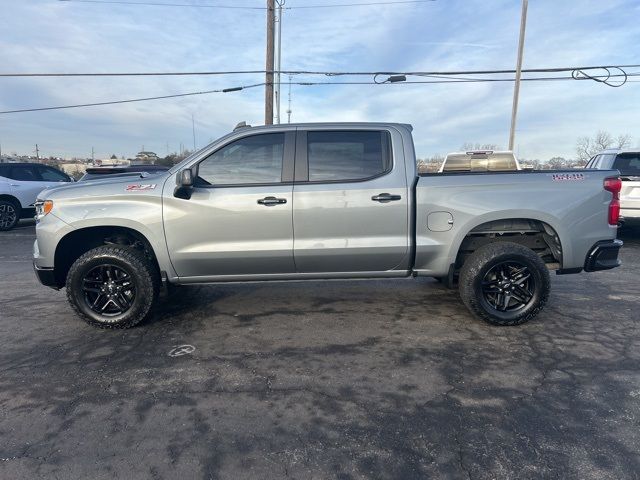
x=320, y=380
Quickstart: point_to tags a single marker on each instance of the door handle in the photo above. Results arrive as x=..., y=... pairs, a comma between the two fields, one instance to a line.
x=385, y=197
x=271, y=201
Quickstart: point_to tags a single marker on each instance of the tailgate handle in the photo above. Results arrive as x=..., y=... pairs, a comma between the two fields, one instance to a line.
x=385, y=197
x=270, y=201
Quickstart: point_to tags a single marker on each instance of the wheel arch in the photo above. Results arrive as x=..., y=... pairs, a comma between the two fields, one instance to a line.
x=79, y=241
x=11, y=198
x=542, y=235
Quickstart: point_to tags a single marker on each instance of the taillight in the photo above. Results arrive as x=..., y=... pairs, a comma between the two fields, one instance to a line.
x=613, y=185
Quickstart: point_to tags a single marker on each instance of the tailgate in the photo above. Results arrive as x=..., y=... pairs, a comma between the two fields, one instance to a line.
x=630, y=198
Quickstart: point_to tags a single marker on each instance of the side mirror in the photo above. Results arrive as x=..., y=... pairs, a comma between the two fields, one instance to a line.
x=184, y=184
x=185, y=178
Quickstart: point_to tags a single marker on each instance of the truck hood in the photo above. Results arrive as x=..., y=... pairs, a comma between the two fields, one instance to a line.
x=106, y=187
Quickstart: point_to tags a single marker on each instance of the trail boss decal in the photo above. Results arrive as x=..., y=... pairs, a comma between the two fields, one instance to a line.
x=568, y=177
x=140, y=187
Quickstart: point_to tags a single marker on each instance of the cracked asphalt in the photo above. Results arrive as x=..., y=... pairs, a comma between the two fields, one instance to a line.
x=317, y=380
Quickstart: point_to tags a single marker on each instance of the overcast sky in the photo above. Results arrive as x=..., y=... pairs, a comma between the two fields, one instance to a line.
x=54, y=36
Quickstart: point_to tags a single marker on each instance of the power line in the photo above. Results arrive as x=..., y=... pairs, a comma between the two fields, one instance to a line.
x=317, y=83
x=131, y=100
x=316, y=72
x=246, y=7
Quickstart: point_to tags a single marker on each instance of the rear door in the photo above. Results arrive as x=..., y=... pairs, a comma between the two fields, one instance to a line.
x=351, y=201
x=238, y=220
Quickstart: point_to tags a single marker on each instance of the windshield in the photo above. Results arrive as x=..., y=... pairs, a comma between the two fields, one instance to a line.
x=628, y=164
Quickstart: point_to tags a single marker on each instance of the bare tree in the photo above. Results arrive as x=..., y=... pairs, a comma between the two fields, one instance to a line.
x=430, y=165
x=623, y=141
x=557, y=163
x=587, y=147
x=603, y=140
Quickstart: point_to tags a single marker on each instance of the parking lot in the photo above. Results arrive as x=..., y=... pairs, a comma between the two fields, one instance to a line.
x=335, y=379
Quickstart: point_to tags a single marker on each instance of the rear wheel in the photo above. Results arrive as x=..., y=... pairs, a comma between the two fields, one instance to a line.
x=9, y=214
x=112, y=286
x=504, y=283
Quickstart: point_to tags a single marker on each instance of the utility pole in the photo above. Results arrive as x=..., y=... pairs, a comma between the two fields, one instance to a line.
x=278, y=61
x=268, y=93
x=37, y=153
x=516, y=88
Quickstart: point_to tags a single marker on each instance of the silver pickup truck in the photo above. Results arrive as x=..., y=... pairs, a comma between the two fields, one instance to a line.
x=320, y=201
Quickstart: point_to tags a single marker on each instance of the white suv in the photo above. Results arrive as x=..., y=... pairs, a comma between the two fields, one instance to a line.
x=20, y=184
x=627, y=161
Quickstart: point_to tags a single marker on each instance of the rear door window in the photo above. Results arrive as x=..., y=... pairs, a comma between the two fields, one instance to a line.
x=340, y=156
x=24, y=173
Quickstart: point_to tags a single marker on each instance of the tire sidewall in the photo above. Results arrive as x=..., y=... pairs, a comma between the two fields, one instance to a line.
x=513, y=316
x=74, y=288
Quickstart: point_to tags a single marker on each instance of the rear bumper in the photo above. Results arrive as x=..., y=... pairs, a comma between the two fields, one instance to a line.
x=603, y=256
x=46, y=276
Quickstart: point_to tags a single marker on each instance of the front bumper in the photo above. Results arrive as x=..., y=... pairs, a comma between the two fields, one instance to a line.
x=603, y=256
x=47, y=276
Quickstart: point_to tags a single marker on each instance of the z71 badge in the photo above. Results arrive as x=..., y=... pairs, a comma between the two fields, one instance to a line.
x=568, y=177
x=140, y=187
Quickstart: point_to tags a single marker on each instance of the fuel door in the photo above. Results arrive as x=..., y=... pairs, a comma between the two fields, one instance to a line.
x=439, y=221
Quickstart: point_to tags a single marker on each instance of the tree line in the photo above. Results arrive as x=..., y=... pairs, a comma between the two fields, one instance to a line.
x=586, y=147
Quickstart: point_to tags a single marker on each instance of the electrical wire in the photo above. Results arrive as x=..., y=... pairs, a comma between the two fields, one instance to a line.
x=316, y=72
x=246, y=7
x=131, y=100
x=318, y=83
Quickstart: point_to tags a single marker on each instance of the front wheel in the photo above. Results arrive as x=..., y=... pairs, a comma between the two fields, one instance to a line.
x=112, y=286
x=504, y=283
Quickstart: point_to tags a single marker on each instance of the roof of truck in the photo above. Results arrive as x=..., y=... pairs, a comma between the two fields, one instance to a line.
x=619, y=150
x=324, y=124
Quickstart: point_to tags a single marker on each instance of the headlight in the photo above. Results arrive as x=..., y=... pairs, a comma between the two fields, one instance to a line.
x=43, y=207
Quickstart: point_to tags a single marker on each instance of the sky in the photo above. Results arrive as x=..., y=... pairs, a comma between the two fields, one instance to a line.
x=40, y=36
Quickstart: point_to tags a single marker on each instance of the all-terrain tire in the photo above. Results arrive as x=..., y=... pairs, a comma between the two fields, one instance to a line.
x=9, y=214
x=478, y=278
x=140, y=277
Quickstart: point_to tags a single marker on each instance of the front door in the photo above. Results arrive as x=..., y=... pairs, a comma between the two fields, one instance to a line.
x=238, y=220
x=351, y=202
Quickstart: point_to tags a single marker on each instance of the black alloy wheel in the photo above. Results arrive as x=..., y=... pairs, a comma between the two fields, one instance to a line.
x=108, y=290
x=508, y=286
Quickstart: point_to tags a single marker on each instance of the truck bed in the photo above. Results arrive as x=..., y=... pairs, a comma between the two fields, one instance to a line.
x=570, y=204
